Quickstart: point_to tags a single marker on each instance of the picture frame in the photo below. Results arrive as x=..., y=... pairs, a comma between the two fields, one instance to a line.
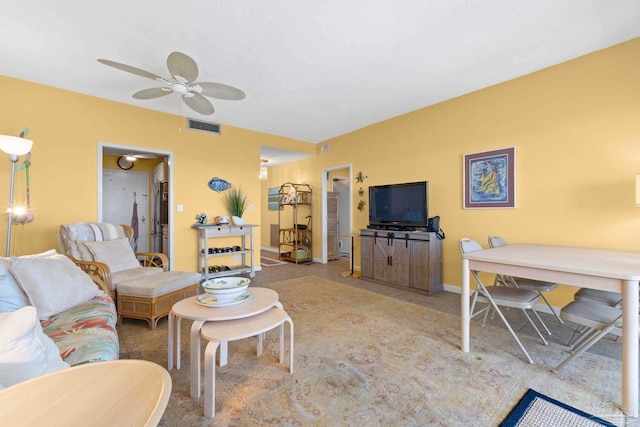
x=489, y=179
x=272, y=198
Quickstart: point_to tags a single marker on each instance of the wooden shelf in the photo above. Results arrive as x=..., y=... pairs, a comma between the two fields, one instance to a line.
x=295, y=209
x=212, y=231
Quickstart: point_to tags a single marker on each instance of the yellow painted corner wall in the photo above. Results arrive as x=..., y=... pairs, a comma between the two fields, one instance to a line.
x=67, y=127
x=576, y=129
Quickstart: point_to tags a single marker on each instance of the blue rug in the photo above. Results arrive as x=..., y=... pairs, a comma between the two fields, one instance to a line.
x=535, y=409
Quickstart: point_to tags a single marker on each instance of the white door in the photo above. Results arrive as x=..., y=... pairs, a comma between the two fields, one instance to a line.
x=333, y=235
x=125, y=200
x=341, y=186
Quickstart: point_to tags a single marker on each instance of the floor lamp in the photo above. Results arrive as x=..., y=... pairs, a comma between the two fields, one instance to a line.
x=15, y=147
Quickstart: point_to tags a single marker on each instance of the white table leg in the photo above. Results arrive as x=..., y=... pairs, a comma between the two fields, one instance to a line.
x=464, y=307
x=282, y=343
x=290, y=345
x=224, y=353
x=171, y=341
x=260, y=344
x=194, y=355
x=210, y=379
x=630, y=348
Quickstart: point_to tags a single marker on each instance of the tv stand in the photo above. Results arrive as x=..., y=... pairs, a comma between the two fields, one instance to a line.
x=406, y=259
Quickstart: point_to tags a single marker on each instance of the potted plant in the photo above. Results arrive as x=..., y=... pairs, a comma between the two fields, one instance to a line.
x=237, y=204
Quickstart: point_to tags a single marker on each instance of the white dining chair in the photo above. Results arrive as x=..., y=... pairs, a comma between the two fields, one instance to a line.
x=598, y=319
x=612, y=299
x=502, y=296
x=538, y=286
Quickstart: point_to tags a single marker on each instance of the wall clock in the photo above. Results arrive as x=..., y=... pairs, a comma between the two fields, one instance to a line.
x=125, y=164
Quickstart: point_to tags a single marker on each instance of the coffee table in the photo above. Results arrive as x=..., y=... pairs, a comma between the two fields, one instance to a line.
x=261, y=300
x=114, y=393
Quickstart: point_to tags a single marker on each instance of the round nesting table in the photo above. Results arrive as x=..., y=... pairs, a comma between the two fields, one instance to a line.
x=261, y=300
x=123, y=393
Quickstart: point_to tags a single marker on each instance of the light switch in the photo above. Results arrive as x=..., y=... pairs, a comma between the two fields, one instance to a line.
x=250, y=208
x=180, y=208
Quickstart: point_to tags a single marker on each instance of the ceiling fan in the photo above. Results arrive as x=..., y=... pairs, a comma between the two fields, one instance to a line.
x=184, y=72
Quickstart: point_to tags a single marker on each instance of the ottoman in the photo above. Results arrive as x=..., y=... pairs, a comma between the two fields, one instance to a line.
x=151, y=297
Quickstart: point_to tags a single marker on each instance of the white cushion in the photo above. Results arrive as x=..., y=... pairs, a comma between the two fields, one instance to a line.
x=159, y=284
x=12, y=297
x=53, y=284
x=25, y=351
x=117, y=254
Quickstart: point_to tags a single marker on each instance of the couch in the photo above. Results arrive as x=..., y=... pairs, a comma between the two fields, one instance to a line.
x=52, y=316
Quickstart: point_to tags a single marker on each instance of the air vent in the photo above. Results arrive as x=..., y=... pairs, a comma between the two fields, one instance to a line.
x=203, y=126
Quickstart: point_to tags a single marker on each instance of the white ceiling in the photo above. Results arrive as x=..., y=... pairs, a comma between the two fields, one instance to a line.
x=312, y=70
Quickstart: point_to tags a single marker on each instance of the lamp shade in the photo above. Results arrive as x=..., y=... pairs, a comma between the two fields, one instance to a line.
x=15, y=145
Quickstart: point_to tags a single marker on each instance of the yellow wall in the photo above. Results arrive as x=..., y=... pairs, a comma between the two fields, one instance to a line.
x=576, y=129
x=66, y=128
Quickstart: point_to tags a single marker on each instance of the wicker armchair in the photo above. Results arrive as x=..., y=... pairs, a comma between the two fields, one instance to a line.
x=70, y=235
x=139, y=282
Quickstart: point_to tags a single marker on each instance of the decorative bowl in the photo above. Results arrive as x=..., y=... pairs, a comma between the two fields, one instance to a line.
x=225, y=289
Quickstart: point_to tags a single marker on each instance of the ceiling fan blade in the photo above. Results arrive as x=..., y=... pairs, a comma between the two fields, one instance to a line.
x=154, y=92
x=129, y=69
x=182, y=65
x=220, y=91
x=199, y=104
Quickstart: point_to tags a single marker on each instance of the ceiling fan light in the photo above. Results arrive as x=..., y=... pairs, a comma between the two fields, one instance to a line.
x=179, y=88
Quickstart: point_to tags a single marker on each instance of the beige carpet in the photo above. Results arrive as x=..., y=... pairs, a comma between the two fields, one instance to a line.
x=366, y=359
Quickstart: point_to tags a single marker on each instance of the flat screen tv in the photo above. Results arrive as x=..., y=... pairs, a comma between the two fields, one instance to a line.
x=399, y=205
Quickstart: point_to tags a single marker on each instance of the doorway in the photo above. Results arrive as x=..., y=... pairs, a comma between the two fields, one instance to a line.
x=128, y=196
x=342, y=187
x=167, y=157
x=345, y=172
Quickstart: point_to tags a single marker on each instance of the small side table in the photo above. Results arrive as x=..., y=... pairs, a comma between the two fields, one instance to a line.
x=262, y=299
x=353, y=273
x=125, y=392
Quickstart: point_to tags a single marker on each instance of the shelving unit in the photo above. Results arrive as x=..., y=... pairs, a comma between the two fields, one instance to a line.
x=294, y=219
x=231, y=233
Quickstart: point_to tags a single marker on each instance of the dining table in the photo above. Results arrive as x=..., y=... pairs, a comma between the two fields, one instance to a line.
x=604, y=269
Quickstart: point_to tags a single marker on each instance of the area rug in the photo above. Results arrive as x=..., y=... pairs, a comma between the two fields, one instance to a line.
x=538, y=410
x=270, y=262
x=366, y=359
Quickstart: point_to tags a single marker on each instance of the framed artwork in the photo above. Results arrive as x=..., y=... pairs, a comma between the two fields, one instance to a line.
x=272, y=198
x=489, y=179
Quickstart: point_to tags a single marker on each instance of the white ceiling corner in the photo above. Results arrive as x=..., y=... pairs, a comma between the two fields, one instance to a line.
x=311, y=70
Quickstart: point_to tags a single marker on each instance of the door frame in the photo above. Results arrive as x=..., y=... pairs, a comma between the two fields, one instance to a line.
x=323, y=180
x=105, y=147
